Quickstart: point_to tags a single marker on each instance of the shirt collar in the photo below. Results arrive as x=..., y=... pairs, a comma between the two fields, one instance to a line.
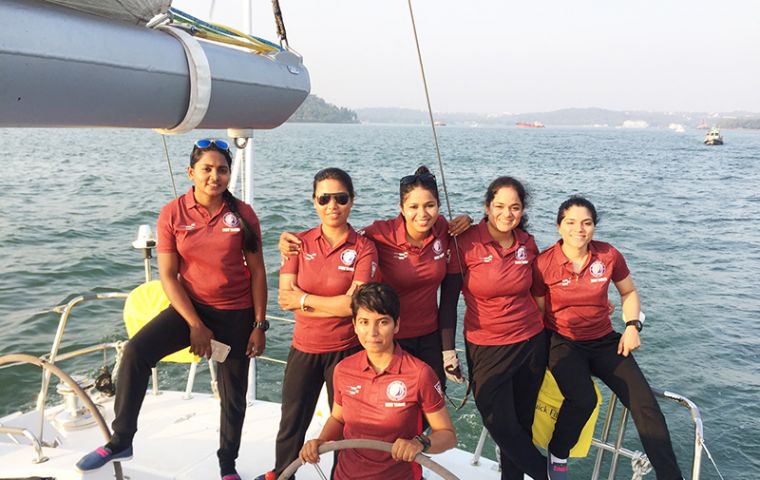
x=562, y=259
x=190, y=198
x=486, y=237
x=350, y=239
x=394, y=367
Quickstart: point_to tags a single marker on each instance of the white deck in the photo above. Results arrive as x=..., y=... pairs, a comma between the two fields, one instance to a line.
x=178, y=439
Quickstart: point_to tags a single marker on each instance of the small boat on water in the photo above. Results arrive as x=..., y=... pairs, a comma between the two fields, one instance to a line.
x=535, y=124
x=713, y=137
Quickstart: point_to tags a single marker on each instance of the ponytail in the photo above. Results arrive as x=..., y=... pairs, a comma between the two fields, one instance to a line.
x=250, y=239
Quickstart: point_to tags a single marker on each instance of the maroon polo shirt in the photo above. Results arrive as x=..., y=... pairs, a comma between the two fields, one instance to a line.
x=576, y=303
x=497, y=283
x=383, y=406
x=329, y=271
x=415, y=273
x=210, y=248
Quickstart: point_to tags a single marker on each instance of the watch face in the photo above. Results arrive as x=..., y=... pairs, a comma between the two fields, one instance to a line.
x=263, y=325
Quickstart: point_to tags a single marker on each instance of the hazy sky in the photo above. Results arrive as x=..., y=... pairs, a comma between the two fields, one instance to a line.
x=521, y=56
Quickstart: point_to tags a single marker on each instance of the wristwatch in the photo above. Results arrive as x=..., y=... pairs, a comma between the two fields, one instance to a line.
x=262, y=325
x=425, y=441
x=635, y=323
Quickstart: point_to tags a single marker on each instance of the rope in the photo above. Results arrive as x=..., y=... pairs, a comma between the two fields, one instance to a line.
x=640, y=465
x=709, y=455
x=169, y=165
x=432, y=125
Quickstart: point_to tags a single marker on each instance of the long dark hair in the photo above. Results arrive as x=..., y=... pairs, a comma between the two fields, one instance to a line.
x=250, y=239
x=509, y=182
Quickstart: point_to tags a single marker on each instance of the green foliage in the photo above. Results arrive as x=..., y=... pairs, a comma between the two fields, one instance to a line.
x=316, y=110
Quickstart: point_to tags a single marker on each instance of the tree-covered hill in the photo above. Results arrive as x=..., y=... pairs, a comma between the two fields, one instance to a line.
x=316, y=110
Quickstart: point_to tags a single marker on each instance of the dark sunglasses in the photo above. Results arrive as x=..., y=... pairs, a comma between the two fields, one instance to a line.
x=205, y=143
x=341, y=197
x=426, y=178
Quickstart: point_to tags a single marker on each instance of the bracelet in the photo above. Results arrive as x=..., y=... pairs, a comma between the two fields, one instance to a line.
x=303, y=301
x=425, y=441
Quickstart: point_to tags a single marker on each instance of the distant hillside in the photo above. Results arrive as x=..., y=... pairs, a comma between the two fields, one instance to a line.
x=316, y=110
x=567, y=117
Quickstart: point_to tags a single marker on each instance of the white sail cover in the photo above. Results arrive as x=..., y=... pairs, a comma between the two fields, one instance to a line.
x=138, y=12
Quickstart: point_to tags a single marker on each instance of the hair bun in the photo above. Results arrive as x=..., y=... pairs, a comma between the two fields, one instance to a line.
x=421, y=170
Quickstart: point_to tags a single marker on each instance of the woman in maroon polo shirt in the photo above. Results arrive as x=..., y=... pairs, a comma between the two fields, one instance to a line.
x=212, y=271
x=317, y=285
x=572, y=279
x=382, y=393
x=503, y=330
x=414, y=254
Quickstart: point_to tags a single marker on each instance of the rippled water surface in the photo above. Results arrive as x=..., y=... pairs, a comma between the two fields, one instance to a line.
x=686, y=217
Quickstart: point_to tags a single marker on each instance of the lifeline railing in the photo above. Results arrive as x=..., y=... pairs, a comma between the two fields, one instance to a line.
x=602, y=445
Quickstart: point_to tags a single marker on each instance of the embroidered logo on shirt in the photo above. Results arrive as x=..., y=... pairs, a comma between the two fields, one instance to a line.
x=401, y=255
x=597, y=270
x=230, y=219
x=396, y=390
x=372, y=269
x=309, y=256
x=439, y=389
x=353, y=389
x=487, y=259
x=348, y=257
x=437, y=247
x=521, y=255
x=188, y=227
x=566, y=282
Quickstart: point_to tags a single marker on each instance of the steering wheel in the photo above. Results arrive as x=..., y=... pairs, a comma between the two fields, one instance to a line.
x=423, y=460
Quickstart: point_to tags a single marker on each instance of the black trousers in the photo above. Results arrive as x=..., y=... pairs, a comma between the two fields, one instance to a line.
x=505, y=381
x=427, y=348
x=168, y=333
x=572, y=363
x=304, y=375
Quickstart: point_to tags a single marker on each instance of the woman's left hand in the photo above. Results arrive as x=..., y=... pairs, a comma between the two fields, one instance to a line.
x=459, y=224
x=405, y=450
x=290, y=299
x=257, y=343
x=629, y=342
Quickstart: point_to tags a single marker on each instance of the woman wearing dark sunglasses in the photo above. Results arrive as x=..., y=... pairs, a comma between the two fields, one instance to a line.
x=317, y=286
x=212, y=271
x=413, y=250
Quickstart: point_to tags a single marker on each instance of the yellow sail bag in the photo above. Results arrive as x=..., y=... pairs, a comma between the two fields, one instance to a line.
x=547, y=407
x=145, y=302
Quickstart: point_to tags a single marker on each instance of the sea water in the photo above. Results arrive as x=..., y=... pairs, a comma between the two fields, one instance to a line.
x=686, y=217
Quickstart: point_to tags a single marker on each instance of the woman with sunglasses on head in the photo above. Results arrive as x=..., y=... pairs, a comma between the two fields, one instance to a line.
x=413, y=250
x=317, y=285
x=212, y=270
x=572, y=279
x=503, y=329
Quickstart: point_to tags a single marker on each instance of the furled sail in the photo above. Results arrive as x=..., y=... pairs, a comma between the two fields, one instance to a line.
x=133, y=11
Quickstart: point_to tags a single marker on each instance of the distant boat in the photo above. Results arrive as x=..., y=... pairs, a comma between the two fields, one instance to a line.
x=439, y=123
x=677, y=127
x=714, y=137
x=535, y=124
x=703, y=126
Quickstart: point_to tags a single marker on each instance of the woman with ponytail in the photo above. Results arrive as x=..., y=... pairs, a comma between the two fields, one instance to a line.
x=212, y=271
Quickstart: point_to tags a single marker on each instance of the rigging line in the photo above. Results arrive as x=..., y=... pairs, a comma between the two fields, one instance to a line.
x=438, y=156
x=169, y=164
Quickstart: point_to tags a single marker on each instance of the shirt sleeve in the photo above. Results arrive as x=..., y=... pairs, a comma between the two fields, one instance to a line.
x=289, y=264
x=167, y=242
x=337, y=390
x=538, y=287
x=430, y=391
x=619, y=267
x=366, y=262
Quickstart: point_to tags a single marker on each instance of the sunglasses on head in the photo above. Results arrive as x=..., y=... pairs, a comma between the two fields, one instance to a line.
x=341, y=197
x=205, y=143
x=427, y=178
